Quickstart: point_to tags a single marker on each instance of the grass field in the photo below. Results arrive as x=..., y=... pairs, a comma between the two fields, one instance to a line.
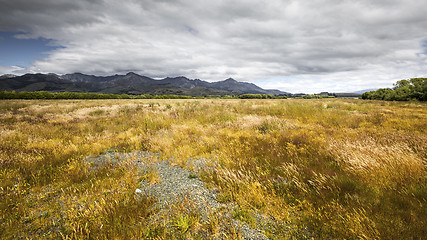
x=337, y=168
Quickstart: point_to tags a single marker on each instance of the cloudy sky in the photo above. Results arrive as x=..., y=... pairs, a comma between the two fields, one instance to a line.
x=294, y=46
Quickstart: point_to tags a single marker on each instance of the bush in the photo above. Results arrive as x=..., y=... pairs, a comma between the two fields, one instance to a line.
x=404, y=90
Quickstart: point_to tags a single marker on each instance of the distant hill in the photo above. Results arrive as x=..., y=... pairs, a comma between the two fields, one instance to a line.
x=365, y=90
x=130, y=83
x=38, y=82
x=7, y=76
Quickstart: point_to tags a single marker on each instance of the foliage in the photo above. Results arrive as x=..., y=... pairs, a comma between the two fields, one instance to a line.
x=404, y=90
x=77, y=95
x=256, y=96
x=316, y=96
x=325, y=168
x=183, y=223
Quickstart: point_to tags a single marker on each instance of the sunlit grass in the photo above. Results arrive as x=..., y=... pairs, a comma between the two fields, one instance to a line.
x=333, y=168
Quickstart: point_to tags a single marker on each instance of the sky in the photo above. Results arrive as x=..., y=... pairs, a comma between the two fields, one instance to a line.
x=295, y=46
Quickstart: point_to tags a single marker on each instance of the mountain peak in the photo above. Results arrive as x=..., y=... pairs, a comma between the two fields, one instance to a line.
x=77, y=74
x=131, y=74
x=230, y=80
x=179, y=77
x=7, y=76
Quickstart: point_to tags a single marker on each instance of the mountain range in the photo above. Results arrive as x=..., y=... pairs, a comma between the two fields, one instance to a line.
x=130, y=83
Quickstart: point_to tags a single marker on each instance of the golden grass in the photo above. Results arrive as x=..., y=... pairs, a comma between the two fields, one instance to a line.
x=335, y=168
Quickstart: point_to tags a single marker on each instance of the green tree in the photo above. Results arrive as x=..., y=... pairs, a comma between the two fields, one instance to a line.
x=403, y=90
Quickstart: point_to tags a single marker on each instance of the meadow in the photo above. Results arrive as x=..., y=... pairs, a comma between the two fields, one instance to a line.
x=332, y=168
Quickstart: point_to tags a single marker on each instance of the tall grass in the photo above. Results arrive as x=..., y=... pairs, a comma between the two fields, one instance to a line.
x=327, y=168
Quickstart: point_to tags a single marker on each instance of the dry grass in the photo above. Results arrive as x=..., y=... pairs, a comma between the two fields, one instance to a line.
x=335, y=168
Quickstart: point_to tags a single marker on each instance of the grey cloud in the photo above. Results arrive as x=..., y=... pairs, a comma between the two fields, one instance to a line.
x=249, y=40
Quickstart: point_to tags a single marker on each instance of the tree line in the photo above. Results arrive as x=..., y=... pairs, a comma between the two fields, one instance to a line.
x=79, y=95
x=403, y=90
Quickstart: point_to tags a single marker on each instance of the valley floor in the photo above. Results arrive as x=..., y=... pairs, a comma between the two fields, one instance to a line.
x=212, y=168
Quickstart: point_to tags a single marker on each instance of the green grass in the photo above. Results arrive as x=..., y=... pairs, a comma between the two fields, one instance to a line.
x=340, y=169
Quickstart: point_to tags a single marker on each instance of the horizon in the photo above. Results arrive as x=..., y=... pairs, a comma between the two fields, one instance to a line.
x=291, y=46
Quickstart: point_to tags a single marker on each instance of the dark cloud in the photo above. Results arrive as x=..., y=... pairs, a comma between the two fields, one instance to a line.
x=37, y=16
x=295, y=45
